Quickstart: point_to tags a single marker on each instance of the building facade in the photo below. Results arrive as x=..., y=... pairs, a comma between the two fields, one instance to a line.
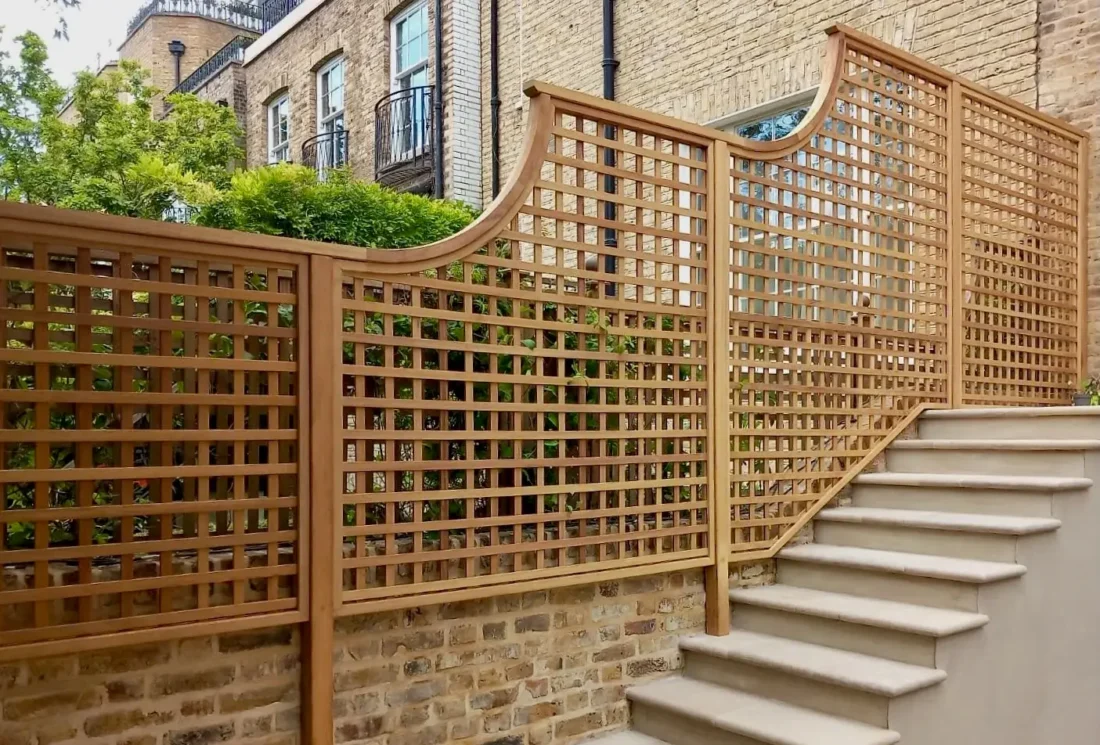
x=354, y=82
x=174, y=38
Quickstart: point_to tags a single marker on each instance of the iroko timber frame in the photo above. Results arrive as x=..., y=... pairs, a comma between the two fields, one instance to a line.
x=527, y=404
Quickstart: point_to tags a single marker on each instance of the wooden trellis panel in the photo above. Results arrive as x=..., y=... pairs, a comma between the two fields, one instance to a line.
x=151, y=444
x=537, y=407
x=838, y=277
x=1020, y=244
x=541, y=399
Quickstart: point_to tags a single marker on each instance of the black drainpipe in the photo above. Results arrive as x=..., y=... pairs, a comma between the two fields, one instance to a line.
x=177, y=48
x=494, y=91
x=610, y=66
x=437, y=103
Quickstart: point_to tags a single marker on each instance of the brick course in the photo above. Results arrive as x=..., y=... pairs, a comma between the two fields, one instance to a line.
x=531, y=669
x=230, y=84
x=231, y=688
x=704, y=59
x=354, y=29
x=149, y=46
x=1069, y=86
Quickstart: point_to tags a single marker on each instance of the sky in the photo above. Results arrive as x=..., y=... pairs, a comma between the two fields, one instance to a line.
x=97, y=27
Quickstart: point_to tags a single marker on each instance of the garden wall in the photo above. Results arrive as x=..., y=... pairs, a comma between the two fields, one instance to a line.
x=534, y=669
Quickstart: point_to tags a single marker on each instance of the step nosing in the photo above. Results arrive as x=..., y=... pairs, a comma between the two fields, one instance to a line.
x=764, y=719
x=970, y=571
x=861, y=611
x=973, y=481
x=1022, y=412
x=994, y=444
x=837, y=667
x=934, y=520
x=629, y=737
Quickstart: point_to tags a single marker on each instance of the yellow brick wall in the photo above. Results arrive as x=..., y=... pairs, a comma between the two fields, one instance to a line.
x=531, y=669
x=149, y=46
x=232, y=688
x=1069, y=87
x=702, y=59
x=361, y=33
x=354, y=29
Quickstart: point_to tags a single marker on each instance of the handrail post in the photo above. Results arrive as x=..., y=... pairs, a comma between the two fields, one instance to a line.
x=1083, y=155
x=717, y=575
x=324, y=576
x=955, y=310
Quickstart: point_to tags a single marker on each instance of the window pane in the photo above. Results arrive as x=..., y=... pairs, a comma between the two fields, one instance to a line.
x=411, y=40
x=786, y=123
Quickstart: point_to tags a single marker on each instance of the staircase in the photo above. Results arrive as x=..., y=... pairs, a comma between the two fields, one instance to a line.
x=953, y=603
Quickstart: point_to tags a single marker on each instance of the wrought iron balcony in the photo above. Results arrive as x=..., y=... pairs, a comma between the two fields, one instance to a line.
x=241, y=13
x=276, y=10
x=326, y=151
x=403, y=129
x=231, y=52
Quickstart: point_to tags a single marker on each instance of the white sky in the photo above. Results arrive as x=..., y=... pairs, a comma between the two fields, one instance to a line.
x=97, y=27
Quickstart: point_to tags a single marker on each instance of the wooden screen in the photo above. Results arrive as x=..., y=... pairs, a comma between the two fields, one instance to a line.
x=537, y=406
x=1020, y=243
x=838, y=292
x=150, y=449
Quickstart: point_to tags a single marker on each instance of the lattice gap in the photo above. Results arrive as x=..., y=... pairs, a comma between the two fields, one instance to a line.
x=540, y=406
x=148, y=445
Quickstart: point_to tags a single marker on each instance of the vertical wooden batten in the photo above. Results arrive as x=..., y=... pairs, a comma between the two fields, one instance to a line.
x=955, y=309
x=317, y=641
x=1083, y=211
x=718, y=203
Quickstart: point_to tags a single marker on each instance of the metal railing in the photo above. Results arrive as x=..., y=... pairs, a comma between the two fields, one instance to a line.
x=246, y=15
x=403, y=132
x=276, y=10
x=231, y=52
x=326, y=151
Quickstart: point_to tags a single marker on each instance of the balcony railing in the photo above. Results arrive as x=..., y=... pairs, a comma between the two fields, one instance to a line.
x=326, y=151
x=246, y=15
x=231, y=52
x=403, y=128
x=276, y=10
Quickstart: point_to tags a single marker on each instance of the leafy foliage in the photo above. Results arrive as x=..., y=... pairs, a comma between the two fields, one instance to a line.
x=290, y=200
x=115, y=156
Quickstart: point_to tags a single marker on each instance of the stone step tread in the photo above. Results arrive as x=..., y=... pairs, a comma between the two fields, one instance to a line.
x=1012, y=412
x=886, y=614
x=630, y=737
x=970, y=571
x=762, y=719
x=1013, y=445
x=1041, y=484
x=948, y=521
x=837, y=667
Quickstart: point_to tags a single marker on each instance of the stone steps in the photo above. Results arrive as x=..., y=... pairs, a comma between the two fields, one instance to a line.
x=857, y=623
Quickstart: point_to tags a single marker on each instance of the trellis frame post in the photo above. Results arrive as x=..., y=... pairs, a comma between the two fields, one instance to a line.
x=718, y=206
x=318, y=633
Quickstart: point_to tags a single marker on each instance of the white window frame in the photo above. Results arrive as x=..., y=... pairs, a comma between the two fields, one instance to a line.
x=769, y=109
x=274, y=150
x=396, y=76
x=322, y=120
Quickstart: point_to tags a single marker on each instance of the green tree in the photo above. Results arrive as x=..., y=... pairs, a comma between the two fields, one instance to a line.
x=115, y=157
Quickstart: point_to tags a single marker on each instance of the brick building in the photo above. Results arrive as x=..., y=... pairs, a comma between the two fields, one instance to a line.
x=343, y=81
x=173, y=39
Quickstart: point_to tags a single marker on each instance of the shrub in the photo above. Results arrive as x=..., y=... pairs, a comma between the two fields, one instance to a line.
x=290, y=200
